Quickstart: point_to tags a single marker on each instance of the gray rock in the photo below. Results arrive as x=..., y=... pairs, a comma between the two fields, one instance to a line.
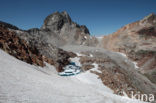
x=65, y=31
x=55, y=21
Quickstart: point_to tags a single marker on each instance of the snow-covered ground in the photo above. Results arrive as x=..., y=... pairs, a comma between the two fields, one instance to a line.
x=24, y=83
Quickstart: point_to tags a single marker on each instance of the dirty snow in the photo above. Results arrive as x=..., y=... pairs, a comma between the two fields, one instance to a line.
x=79, y=54
x=96, y=66
x=24, y=83
x=124, y=55
x=135, y=65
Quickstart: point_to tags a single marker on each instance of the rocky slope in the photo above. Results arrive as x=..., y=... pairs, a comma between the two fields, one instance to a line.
x=30, y=49
x=138, y=41
x=17, y=47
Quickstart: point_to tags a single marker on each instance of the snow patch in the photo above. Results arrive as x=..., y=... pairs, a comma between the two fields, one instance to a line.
x=91, y=55
x=135, y=65
x=122, y=54
x=85, y=37
x=76, y=60
x=96, y=66
x=79, y=54
x=18, y=31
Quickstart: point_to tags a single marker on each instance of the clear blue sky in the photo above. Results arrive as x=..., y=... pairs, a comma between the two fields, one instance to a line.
x=100, y=16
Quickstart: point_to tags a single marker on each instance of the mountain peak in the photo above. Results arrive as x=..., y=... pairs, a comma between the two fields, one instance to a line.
x=151, y=18
x=151, y=15
x=64, y=12
x=56, y=20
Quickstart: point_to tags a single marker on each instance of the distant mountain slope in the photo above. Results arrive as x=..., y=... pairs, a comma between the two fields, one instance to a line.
x=138, y=41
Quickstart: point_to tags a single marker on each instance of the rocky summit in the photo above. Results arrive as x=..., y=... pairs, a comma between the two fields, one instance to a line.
x=58, y=29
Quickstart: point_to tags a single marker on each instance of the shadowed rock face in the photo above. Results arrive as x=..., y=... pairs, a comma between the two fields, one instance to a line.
x=55, y=21
x=148, y=32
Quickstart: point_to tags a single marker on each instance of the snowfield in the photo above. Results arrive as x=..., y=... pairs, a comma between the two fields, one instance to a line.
x=24, y=83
